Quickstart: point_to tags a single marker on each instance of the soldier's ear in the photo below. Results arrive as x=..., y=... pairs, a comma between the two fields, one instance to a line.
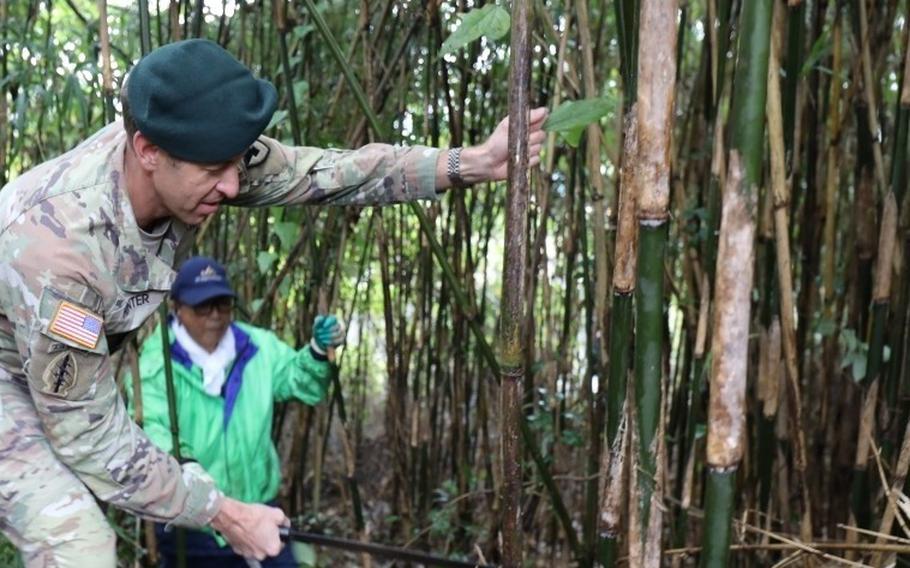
x=148, y=154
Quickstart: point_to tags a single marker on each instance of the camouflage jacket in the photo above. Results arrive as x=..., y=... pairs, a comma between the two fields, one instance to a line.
x=76, y=277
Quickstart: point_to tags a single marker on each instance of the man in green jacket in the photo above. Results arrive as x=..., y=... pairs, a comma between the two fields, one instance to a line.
x=227, y=376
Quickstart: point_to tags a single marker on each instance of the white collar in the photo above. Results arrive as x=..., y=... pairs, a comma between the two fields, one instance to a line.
x=214, y=365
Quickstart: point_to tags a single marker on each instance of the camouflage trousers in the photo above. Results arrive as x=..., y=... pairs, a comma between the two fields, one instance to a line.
x=44, y=509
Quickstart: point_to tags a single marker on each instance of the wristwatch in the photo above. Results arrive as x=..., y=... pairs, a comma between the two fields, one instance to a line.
x=454, y=167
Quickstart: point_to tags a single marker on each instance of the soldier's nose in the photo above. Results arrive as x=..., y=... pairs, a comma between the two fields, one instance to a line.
x=229, y=184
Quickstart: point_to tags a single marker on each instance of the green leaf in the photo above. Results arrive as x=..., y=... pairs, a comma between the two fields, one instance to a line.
x=820, y=48
x=572, y=117
x=573, y=135
x=21, y=109
x=491, y=22
x=256, y=304
x=825, y=327
x=265, y=260
x=572, y=438
x=277, y=118
x=859, y=368
x=301, y=90
x=287, y=233
x=304, y=554
x=301, y=32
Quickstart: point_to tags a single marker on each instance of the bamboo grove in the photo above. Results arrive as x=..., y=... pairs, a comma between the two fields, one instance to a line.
x=681, y=340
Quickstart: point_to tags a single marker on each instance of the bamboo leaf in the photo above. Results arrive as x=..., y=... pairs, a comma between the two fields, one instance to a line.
x=21, y=109
x=820, y=49
x=305, y=554
x=491, y=22
x=277, y=118
x=287, y=233
x=572, y=117
x=265, y=260
x=256, y=305
x=301, y=32
x=301, y=90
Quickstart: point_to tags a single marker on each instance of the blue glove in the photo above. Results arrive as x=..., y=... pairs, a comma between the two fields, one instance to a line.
x=327, y=333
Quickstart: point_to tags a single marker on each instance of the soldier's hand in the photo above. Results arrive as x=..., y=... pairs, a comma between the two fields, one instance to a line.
x=250, y=529
x=495, y=150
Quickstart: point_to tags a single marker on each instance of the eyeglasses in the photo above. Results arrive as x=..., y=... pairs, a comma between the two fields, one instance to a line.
x=223, y=304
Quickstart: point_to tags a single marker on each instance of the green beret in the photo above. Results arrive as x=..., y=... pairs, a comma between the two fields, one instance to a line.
x=197, y=102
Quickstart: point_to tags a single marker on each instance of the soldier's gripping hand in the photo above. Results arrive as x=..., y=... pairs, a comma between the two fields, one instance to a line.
x=251, y=529
x=490, y=160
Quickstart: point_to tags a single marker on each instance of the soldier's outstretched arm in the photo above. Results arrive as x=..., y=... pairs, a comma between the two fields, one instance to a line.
x=376, y=174
x=52, y=299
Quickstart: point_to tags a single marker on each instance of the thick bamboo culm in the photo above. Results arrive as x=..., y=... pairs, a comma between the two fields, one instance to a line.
x=732, y=288
x=650, y=172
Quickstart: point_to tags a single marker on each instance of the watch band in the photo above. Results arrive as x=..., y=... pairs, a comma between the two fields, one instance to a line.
x=454, y=167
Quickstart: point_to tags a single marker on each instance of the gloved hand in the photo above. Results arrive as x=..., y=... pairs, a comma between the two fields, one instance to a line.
x=327, y=333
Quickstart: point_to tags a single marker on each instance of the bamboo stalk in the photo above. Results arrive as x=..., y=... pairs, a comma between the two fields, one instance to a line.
x=729, y=344
x=627, y=14
x=656, y=92
x=151, y=541
x=174, y=21
x=172, y=415
x=145, y=32
x=281, y=23
x=869, y=93
x=107, y=82
x=512, y=343
x=898, y=186
x=4, y=92
x=620, y=340
x=899, y=479
x=197, y=18
x=599, y=197
x=781, y=193
x=832, y=176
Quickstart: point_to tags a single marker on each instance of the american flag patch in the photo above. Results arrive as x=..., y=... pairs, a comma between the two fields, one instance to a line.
x=77, y=324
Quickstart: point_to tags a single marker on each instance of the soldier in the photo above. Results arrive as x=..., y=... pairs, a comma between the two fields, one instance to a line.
x=87, y=245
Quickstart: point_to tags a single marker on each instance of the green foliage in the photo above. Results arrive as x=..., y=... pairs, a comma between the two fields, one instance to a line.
x=491, y=22
x=304, y=553
x=572, y=117
x=695, y=222
x=820, y=49
x=9, y=556
x=287, y=233
x=854, y=354
x=265, y=260
x=571, y=431
x=279, y=117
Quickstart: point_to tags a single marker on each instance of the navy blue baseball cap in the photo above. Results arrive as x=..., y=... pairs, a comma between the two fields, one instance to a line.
x=200, y=279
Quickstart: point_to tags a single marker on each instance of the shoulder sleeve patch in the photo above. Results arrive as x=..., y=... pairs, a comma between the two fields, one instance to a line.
x=59, y=376
x=256, y=155
x=77, y=324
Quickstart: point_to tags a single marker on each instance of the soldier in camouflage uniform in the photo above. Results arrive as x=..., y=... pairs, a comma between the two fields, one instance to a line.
x=87, y=245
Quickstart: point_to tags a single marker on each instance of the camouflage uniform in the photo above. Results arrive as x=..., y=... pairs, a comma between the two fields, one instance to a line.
x=69, y=241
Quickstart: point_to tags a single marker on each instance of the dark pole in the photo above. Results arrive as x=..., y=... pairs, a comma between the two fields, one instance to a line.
x=512, y=316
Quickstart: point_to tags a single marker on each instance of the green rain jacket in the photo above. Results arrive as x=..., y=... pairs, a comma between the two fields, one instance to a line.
x=230, y=435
